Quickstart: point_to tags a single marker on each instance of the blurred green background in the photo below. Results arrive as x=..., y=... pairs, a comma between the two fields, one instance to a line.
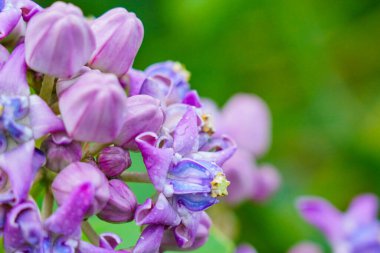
x=317, y=65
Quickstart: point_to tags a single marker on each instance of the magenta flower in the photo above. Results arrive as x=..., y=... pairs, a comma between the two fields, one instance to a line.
x=356, y=231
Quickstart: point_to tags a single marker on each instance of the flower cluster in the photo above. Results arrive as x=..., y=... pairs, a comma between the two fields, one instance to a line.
x=92, y=109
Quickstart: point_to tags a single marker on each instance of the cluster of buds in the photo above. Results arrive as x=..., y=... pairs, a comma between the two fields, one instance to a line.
x=72, y=109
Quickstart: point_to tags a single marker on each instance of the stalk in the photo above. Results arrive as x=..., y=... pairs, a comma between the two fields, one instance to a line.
x=90, y=233
x=47, y=88
x=137, y=177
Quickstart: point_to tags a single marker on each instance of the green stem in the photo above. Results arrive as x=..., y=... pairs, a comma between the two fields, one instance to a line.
x=137, y=177
x=47, y=204
x=47, y=88
x=90, y=233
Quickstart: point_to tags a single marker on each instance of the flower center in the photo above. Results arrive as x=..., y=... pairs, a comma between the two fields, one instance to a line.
x=13, y=112
x=179, y=68
x=207, y=126
x=219, y=185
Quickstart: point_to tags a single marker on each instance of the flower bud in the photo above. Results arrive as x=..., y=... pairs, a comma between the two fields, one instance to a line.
x=113, y=161
x=58, y=40
x=118, y=35
x=60, y=151
x=93, y=107
x=121, y=205
x=77, y=174
x=144, y=114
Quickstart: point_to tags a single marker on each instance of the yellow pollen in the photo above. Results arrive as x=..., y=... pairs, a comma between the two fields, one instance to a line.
x=207, y=125
x=179, y=68
x=219, y=185
x=1, y=110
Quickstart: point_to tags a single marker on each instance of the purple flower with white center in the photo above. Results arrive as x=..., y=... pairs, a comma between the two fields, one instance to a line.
x=59, y=41
x=356, y=231
x=166, y=81
x=176, y=168
x=11, y=12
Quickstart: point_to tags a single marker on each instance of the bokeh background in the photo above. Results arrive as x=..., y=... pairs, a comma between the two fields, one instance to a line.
x=317, y=65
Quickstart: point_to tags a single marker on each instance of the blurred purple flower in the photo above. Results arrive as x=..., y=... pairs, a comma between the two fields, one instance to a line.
x=356, y=231
x=305, y=247
x=245, y=248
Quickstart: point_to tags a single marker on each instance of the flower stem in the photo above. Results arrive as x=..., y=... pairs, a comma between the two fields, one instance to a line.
x=90, y=233
x=137, y=177
x=47, y=204
x=47, y=88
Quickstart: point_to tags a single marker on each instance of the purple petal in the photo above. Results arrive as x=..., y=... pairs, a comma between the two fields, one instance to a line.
x=245, y=248
x=42, y=118
x=150, y=240
x=28, y=9
x=8, y=21
x=157, y=161
x=218, y=150
x=4, y=55
x=186, y=134
x=322, y=215
x=266, y=181
x=196, y=202
x=22, y=227
x=85, y=247
x=135, y=79
x=13, y=74
x=20, y=171
x=246, y=119
x=66, y=221
x=186, y=232
x=305, y=247
x=240, y=171
x=109, y=241
x=363, y=209
x=160, y=213
x=192, y=98
x=156, y=86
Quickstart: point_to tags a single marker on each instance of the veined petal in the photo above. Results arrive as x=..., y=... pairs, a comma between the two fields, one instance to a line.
x=150, y=239
x=13, y=74
x=160, y=213
x=20, y=171
x=185, y=135
x=65, y=221
x=157, y=161
x=196, y=202
x=8, y=21
x=42, y=118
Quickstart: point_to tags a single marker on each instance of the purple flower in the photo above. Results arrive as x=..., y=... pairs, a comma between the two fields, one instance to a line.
x=121, y=205
x=92, y=106
x=77, y=174
x=305, y=247
x=11, y=12
x=176, y=167
x=166, y=81
x=59, y=41
x=118, y=35
x=143, y=114
x=355, y=231
x=245, y=248
x=60, y=151
x=4, y=55
x=113, y=161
